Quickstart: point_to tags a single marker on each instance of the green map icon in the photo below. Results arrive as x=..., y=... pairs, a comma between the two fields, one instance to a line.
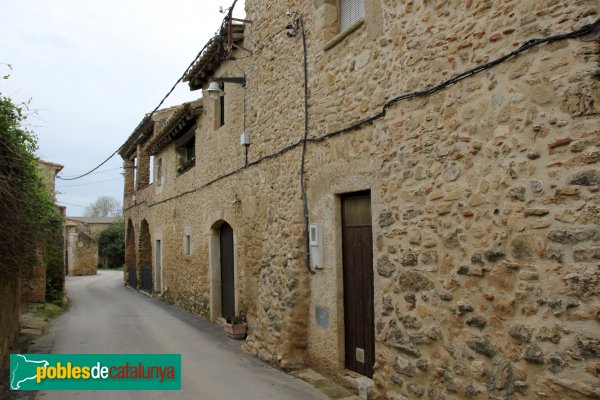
x=23, y=369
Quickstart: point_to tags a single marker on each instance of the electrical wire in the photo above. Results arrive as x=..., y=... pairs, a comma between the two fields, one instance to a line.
x=91, y=183
x=462, y=76
x=304, y=143
x=71, y=204
x=162, y=101
x=103, y=171
x=478, y=69
x=261, y=47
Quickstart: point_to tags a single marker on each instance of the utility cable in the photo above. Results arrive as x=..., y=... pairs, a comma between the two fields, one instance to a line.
x=162, y=101
x=526, y=46
x=304, y=142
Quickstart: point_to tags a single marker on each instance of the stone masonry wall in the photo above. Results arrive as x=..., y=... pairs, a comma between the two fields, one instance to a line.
x=85, y=255
x=484, y=195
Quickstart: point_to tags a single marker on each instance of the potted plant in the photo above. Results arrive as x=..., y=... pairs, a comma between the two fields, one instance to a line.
x=235, y=328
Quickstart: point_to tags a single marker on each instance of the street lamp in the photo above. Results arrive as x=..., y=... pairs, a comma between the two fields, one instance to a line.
x=215, y=91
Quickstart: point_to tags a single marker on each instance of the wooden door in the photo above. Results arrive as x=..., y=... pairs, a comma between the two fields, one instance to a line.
x=357, y=247
x=227, y=273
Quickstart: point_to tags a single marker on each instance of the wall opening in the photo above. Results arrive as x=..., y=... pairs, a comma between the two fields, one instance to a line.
x=223, y=271
x=130, y=256
x=145, y=258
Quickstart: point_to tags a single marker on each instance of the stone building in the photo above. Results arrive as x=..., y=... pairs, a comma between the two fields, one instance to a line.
x=81, y=235
x=454, y=223
x=34, y=282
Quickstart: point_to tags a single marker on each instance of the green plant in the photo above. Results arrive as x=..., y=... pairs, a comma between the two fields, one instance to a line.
x=240, y=319
x=29, y=218
x=111, y=245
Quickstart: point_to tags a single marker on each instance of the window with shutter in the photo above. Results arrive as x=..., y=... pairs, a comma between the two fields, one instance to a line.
x=350, y=12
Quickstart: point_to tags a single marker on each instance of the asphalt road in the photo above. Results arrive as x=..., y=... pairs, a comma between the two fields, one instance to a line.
x=106, y=317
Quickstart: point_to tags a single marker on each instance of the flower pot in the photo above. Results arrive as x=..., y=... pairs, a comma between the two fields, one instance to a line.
x=235, y=331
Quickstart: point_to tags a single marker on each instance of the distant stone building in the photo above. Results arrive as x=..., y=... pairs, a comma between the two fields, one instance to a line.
x=82, y=234
x=454, y=225
x=34, y=282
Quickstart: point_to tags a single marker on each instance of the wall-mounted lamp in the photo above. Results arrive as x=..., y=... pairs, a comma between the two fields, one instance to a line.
x=215, y=91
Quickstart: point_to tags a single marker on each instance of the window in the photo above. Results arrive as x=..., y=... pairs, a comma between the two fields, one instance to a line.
x=187, y=245
x=339, y=18
x=351, y=11
x=187, y=154
x=159, y=172
x=151, y=179
x=135, y=174
x=220, y=108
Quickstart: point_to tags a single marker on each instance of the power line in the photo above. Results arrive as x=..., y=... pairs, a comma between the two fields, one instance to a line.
x=71, y=204
x=95, y=173
x=92, y=183
x=370, y=120
x=160, y=103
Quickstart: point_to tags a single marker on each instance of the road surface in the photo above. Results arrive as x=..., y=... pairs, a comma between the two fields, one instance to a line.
x=106, y=317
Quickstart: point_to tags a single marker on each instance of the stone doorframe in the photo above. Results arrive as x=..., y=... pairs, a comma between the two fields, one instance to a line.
x=214, y=271
x=158, y=265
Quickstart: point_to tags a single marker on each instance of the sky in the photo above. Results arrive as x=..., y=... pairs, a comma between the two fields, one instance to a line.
x=91, y=71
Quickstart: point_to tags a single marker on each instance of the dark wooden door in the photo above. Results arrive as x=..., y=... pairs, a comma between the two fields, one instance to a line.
x=357, y=247
x=227, y=276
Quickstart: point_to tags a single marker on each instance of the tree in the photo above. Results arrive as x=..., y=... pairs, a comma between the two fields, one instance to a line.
x=104, y=206
x=111, y=245
x=29, y=218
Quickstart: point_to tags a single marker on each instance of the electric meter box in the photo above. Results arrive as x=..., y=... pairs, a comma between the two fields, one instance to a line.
x=315, y=233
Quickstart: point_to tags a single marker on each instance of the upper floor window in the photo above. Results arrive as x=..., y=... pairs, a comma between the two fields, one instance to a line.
x=159, y=172
x=135, y=173
x=351, y=11
x=187, y=153
x=151, y=177
x=220, y=109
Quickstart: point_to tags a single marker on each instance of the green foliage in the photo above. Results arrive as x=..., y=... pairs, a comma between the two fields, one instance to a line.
x=29, y=218
x=111, y=245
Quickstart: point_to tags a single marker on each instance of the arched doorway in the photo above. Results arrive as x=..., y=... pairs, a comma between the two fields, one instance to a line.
x=130, y=262
x=227, y=271
x=145, y=258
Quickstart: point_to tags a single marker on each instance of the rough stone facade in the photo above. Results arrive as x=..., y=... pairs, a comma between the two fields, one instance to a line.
x=82, y=234
x=484, y=195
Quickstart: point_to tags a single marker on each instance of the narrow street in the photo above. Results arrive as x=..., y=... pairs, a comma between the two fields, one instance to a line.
x=106, y=317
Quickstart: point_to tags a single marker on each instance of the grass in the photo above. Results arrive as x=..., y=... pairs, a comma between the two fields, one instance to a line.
x=46, y=311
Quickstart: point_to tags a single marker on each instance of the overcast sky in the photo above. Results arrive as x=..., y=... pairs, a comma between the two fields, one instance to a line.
x=92, y=69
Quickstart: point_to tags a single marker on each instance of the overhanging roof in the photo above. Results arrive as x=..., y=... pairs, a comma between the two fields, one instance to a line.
x=212, y=57
x=182, y=120
x=141, y=133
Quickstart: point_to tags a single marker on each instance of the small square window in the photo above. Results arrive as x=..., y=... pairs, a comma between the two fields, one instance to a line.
x=351, y=11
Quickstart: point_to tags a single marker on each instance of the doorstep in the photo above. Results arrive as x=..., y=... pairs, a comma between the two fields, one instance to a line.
x=325, y=385
x=360, y=383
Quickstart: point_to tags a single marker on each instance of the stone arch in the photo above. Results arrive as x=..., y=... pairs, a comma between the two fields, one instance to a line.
x=144, y=258
x=130, y=256
x=224, y=297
